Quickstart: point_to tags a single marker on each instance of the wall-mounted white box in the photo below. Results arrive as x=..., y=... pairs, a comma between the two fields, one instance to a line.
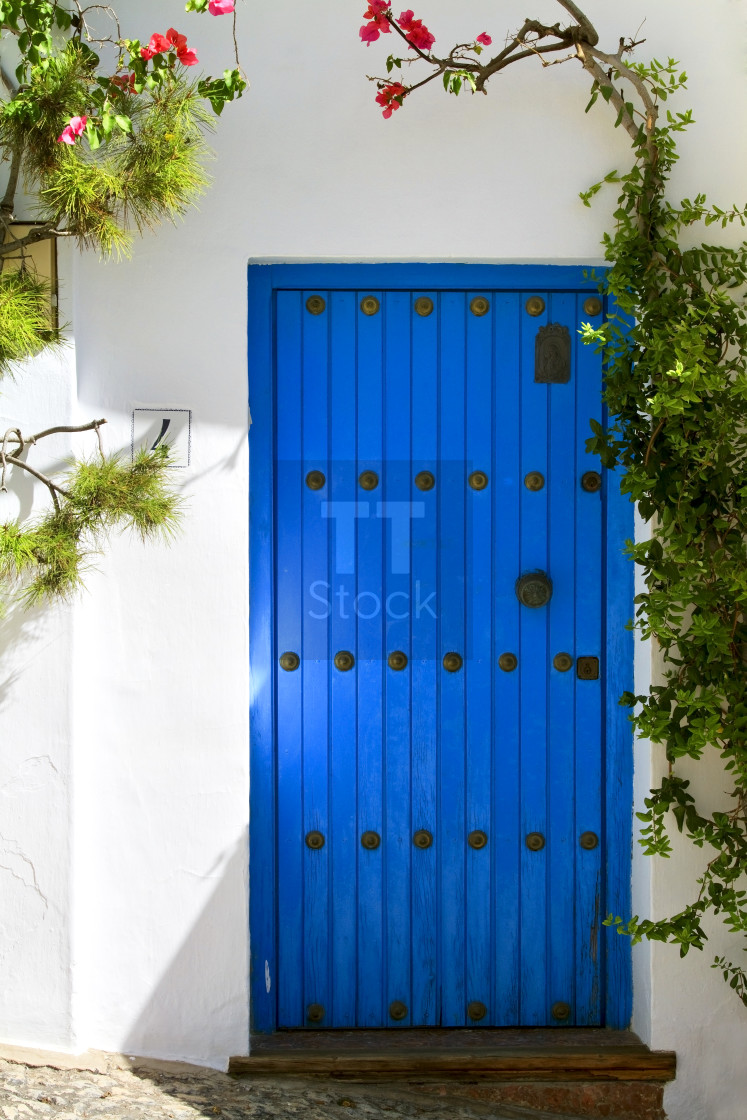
x=153, y=427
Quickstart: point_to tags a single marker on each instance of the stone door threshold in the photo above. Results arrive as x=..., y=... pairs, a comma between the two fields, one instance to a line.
x=566, y=1054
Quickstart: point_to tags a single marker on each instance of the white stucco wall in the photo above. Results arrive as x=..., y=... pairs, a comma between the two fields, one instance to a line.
x=127, y=713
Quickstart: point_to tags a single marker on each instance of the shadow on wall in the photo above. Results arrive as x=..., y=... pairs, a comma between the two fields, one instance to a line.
x=200, y=1003
x=19, y=630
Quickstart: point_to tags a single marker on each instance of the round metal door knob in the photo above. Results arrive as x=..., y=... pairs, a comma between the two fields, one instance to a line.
x=534, y=589
x=315, y=1012
x=477, y=839
x=478, y=480
x=315, y=480
x=314, y=840
x=589, y=841
x=562, y=662
x=479, y=306
x=424, y=480
x=398, y=1010
x=370, y=305
x=535, y=480
x=368, y=480
x=476, y=1010
x=315, y=305
x=422, y=838
x=452, y=662
x=591, y=482
x=370, y=840
x=424, y=305
x=535, y=305
x=593, y=305
x=561, y=1010
x=344, y=660
x=508, y=662
x=289, y=661
x=535, y=841
x=397, y=660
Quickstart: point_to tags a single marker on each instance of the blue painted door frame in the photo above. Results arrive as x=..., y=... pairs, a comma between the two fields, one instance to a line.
x=523, y=952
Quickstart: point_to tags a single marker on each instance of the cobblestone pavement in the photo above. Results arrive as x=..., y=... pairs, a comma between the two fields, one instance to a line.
x=28, y=1093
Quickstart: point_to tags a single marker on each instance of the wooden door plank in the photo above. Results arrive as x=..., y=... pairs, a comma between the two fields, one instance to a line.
x=451, y=499
x=533, y=657
x=343, y=693
x=314, y=567
x=561, y=846
x=505, y=491
x=395, y=511
x=479, y=662
x=590, y=902
x=424, y=663
x=289, y=726
x=370, y=676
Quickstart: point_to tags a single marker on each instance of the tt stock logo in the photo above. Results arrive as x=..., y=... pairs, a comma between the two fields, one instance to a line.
x=396, y=596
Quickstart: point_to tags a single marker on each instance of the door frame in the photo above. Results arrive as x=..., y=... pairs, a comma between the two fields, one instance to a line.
x=617, y=645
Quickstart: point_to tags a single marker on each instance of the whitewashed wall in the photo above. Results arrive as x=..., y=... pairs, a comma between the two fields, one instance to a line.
x=123, y=720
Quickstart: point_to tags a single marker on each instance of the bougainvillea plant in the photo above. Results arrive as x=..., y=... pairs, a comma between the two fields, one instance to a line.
x=107, y=135
x=676, y=394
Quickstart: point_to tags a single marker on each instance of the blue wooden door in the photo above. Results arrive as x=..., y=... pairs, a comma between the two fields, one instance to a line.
x=439, y=745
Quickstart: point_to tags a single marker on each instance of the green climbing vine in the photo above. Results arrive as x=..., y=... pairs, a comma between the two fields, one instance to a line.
x=676, y=393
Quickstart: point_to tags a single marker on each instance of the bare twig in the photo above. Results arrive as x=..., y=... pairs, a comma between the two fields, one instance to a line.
x=84, y=28
x=93, y=426
x=236, y=44
x=16, y=435
x=53, y=488
x=4, y=455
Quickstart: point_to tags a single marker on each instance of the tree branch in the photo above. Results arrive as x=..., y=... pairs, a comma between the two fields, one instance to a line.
x=45, y=232
x=53, y=488
x=15, y=434
x=6, y=206
x=4, y=455
x=586, y=26
x=93, y=426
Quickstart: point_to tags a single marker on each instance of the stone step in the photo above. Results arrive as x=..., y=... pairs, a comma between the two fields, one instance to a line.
x=576, y=1073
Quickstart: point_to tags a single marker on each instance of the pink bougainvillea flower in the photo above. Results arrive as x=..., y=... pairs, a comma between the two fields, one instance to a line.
x=221, y=7
x=484, y=39
x=171, y=41
x=178, y=42
x=378, y=23
x=390, y=98
x=187, y=57
x=175, y=39
x=370, y=33
x=125, y=82
x=420, y=37
x=158, y=44
x=415, y=32
x=74, y=128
